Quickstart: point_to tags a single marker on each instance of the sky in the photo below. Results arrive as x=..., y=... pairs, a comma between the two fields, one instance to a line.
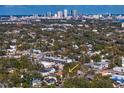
x=42, y=9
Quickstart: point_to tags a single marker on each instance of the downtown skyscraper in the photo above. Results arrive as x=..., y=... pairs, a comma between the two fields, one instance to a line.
x=65, y=13
x=74, y=13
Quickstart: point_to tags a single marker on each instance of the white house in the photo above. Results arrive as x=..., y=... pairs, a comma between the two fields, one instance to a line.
x=118, y=69
x=13, y=46
x=48, y=71
x=50, y=80
x=69, y=60
x=122, y=61
x=101, y=65
x=11, y=51
x=47, y=64
x=36, y=51
x=36, y=83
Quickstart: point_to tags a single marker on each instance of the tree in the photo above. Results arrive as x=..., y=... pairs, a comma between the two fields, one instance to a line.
x=101, y=82
x=2, y=53
x=51, y=86
x=76, y=83
x=70, y=66
x=96, y=58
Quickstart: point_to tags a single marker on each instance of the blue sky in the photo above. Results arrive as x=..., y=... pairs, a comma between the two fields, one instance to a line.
x=42, y=9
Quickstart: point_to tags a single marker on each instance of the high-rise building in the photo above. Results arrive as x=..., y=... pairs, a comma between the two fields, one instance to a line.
x=55, y=15
x=59, y=14
x=35, y=16
x=74, y=13
x=65, y=13
x=49, y=14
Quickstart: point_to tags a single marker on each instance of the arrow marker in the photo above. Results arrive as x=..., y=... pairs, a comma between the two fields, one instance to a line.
x=70, y=70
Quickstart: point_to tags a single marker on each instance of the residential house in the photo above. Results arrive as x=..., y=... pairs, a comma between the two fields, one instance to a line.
x=105, y=72
x=47, y=71
x=101, y=65
x=50, y=80
x=36, y=83
x=118, y=78
x=12, y=50
x=47, y=64
x=118, y=69
x=2, y=85
x=122, y=61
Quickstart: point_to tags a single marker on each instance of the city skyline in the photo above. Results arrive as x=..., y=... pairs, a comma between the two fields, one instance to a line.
x=43, y=9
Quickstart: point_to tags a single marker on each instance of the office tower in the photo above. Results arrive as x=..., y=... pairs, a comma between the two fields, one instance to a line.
x=65, y=13
x=49, y=14
x=59, y=14
x=12, y=18
x=55, y=15
x=74, y=13
x=35, y=16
